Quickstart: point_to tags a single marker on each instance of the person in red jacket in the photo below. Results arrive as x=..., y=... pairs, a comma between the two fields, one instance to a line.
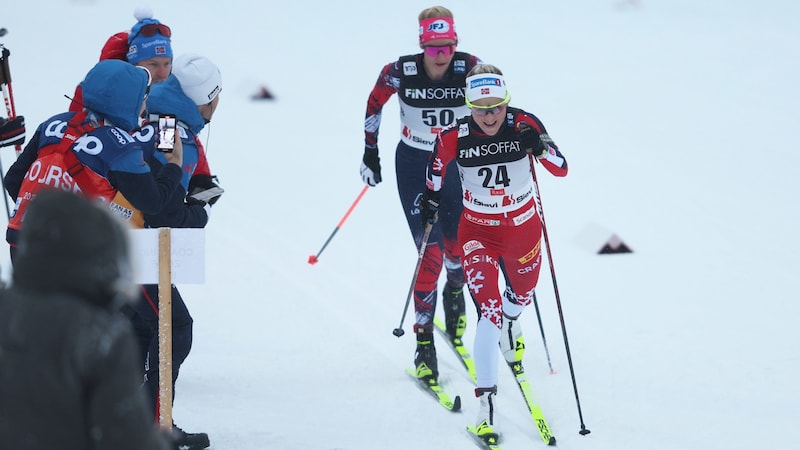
x=499, y=230
x=149, y=44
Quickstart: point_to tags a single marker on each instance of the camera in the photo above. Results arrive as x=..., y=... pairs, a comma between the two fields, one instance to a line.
x=166, y=133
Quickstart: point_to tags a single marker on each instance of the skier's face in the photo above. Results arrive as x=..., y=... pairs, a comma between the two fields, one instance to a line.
x=436, y=57
x=488, y=113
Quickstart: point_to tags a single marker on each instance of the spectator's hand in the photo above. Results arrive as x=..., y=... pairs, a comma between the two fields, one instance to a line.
x=176, y=155
x=429, y=207
x=371, y=167
x=530, y=140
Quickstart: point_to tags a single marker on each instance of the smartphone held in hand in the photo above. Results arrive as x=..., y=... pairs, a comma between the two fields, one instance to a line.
x=166, y=133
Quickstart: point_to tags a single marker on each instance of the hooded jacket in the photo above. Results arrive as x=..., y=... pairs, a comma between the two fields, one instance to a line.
x=115, y=90
x=69, y=371
x=168, y=98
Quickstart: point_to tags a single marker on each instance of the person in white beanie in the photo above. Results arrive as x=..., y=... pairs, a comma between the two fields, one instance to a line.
x=191, y=94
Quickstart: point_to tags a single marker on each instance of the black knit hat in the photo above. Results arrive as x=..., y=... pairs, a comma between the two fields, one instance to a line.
x=70, y=245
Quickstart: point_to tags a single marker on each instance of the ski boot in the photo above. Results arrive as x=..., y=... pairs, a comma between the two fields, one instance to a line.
x=485, y=423
x=455, y=315
x=425, y=357
x=512, y=343
x=189, y=441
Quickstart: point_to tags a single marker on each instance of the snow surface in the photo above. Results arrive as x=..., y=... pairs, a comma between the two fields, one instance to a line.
x=679, y=121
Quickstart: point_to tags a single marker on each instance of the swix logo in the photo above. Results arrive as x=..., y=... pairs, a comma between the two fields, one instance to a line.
x=406, y=132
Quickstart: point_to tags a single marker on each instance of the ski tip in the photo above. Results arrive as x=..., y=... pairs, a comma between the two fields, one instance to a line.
x=312, y=260
x=552, y=441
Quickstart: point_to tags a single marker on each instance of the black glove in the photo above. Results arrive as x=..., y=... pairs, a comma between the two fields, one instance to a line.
x=529, y=140
x=203, y=183
x=371, y=166
x=429, y=207
x=12, y=132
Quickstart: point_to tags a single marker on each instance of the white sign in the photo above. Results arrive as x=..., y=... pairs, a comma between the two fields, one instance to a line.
x=188, y=255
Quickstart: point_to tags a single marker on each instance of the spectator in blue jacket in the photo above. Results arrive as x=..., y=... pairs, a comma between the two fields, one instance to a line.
x=92, y=152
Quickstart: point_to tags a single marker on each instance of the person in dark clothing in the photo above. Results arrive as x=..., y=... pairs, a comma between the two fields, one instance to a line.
x=69, y=375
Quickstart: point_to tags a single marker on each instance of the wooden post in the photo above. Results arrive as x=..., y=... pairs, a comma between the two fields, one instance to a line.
x=165, y=329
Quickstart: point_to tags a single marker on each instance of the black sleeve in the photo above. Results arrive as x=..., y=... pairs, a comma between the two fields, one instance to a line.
x=148, y=194
x=12, y=180
x=179, y=214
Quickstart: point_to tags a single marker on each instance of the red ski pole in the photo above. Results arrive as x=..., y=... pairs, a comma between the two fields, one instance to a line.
x=313, y=259
x=8, y=93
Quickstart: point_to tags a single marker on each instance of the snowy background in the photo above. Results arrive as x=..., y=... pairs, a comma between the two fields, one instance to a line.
x=679, y=121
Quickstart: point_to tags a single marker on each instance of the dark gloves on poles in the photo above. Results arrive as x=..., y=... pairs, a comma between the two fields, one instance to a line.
x=12, y=132
x=530, y=140
x=371, y=167
x=429, y=207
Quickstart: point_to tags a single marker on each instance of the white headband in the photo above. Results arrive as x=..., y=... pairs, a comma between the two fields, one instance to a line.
x=486, y=85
